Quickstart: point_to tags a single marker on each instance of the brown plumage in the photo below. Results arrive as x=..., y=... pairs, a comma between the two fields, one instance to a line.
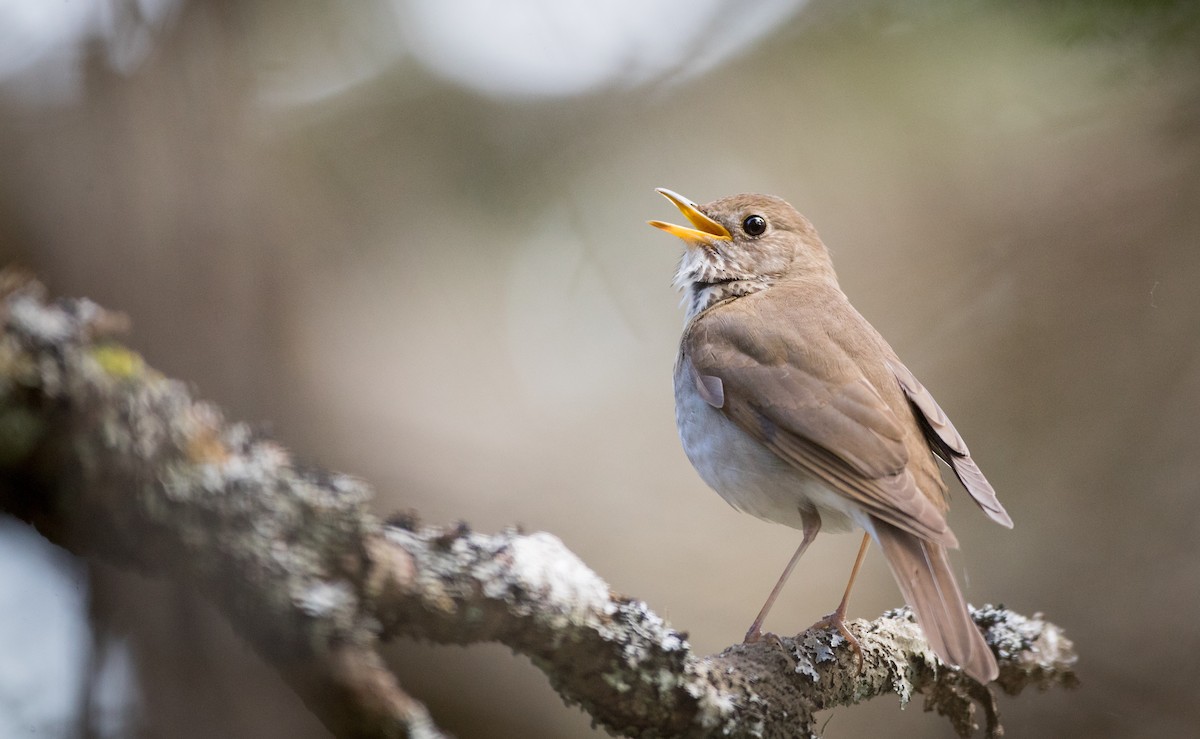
x=797, y=411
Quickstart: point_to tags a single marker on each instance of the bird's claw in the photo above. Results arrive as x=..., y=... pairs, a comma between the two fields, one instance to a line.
x=837, y=621
x=753, y=636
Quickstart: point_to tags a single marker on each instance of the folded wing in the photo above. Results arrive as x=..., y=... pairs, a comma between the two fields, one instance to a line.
x=946, y=442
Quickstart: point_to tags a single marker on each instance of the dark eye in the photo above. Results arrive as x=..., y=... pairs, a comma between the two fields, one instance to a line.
x=754, y=225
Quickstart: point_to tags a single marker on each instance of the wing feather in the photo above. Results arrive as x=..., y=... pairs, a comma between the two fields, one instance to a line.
x=948, y=444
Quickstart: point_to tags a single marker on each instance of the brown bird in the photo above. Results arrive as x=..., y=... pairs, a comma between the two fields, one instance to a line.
x=794, y=408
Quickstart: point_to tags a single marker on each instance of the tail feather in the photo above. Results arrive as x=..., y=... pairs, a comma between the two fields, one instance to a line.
x=923, y=573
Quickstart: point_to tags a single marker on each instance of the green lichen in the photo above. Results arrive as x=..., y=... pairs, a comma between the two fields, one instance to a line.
x=117, y=361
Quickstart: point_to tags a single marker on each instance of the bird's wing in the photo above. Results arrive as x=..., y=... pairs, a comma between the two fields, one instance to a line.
x=819, y=416
x=946, y=442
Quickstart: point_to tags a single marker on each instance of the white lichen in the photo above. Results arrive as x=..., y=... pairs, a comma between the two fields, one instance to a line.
x=616, y=681
x=905, y=637
x=324, y=598
x=30, y=317
x=714, y=707
x=542, y=565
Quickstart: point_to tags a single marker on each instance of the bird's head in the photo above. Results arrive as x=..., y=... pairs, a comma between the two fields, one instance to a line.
x=742, y=244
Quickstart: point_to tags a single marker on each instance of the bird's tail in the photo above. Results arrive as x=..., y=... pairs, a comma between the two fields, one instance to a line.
x=923, y=573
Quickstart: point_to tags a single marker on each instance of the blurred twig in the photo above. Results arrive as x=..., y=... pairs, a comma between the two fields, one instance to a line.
x=112, y=460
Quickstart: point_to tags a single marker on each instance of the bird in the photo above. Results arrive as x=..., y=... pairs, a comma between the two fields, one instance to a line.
x=796, y=410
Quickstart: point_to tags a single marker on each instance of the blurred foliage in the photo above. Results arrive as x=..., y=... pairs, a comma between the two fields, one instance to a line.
x=1155, y=24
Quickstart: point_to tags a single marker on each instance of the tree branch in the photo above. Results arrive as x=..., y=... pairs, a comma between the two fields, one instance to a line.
x=112, y=460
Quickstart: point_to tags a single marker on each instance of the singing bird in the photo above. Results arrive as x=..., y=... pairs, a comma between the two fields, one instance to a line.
x=793, y=407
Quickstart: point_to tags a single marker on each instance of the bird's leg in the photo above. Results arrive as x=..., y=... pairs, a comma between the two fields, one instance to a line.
x=837, y=619
x=812, y=524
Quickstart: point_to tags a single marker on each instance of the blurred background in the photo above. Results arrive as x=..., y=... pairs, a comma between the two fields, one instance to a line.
x=408, y=237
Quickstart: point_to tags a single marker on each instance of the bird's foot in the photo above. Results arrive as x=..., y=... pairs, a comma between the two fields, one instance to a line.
x=837, y=621
x=754, y=634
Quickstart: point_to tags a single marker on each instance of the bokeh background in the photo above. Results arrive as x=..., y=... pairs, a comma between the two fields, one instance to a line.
x=408, y=238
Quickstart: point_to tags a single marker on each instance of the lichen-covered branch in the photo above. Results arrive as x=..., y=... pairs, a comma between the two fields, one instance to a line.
x=110, y=459
x=639, y=677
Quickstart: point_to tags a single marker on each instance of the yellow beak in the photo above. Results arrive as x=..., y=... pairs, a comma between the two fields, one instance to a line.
x=706, y=229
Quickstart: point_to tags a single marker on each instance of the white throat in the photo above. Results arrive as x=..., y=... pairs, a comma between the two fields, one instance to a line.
x=700, y=296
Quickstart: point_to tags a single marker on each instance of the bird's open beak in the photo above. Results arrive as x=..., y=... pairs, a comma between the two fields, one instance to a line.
x=706, y=229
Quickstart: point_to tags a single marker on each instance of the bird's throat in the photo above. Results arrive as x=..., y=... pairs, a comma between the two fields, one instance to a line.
x=703, y=295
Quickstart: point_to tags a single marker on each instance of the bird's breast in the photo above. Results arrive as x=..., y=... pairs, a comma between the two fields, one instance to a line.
x=747, y=474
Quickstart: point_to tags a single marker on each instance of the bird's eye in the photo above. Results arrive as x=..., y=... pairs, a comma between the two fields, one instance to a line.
x=754, y=225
